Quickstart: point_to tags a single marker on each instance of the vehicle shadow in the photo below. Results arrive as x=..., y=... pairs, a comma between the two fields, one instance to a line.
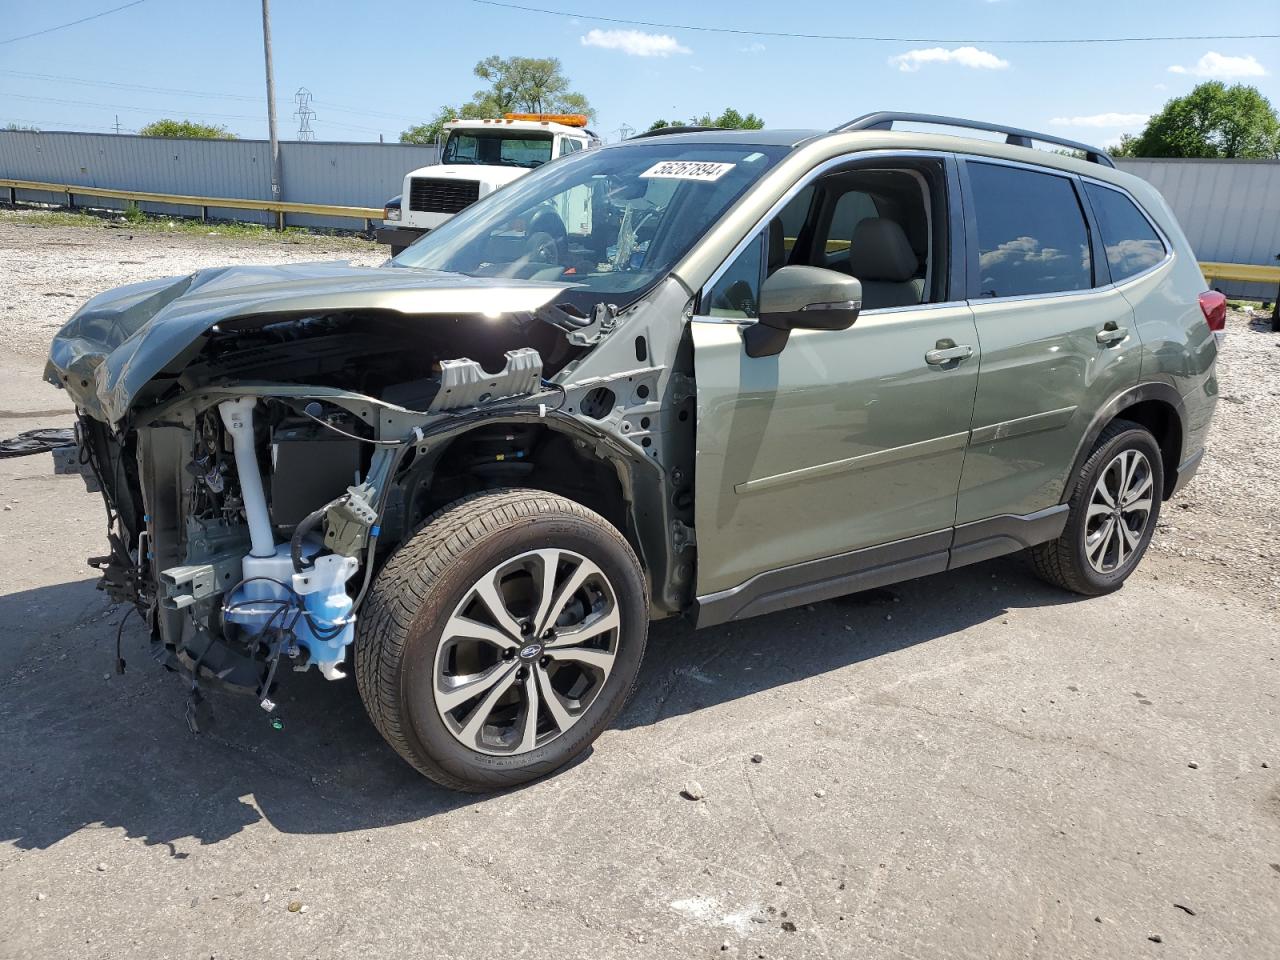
x=688, y=670
x=81, y=746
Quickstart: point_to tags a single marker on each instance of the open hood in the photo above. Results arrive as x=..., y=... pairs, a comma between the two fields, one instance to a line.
x=118, y=341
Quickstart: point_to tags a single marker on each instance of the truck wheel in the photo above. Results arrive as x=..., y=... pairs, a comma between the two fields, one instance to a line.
x=1114, y=510
x=396, y=251
x=502, y=638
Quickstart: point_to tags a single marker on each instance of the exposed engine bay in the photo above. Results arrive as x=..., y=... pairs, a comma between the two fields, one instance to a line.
x=262, y=472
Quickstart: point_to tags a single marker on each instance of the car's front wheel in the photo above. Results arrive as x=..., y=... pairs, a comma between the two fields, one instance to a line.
x=1113, y=514
x=502, y=638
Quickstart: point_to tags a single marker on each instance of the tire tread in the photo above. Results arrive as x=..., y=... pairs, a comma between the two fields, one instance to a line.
x=1054, y=561
x=404, y=585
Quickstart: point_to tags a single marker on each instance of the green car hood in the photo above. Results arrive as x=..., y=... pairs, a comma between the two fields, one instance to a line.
x=117, y=342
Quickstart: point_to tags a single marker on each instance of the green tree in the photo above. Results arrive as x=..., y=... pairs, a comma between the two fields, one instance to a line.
x=427, y=132
x=186, y=128
x=1127, y=146
x=729, y=119
x=1213, y=120
x=515, y=85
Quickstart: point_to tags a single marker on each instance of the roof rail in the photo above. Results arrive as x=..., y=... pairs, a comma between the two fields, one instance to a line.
x=1014, y=136
x=666, y=131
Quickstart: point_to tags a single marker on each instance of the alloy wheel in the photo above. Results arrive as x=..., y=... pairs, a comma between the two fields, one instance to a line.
x=526, y=652
x=1119, y=510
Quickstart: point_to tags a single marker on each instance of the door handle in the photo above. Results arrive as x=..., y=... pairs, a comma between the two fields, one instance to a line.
x=946, y=351
x=1112, y=332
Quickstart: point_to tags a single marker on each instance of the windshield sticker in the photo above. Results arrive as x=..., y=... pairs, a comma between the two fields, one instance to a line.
x=686, y=170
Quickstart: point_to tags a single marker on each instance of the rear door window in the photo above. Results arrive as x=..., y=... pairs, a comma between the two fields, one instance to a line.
x=1131, y=242
x=1032, y=235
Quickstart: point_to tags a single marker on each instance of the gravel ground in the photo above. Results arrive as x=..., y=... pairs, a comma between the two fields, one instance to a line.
x=1229, y=515
x=51, y=271
x=968, y=766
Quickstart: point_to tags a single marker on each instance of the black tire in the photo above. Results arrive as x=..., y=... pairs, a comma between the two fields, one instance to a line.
x=1064, y=562
x=396, y=251
x=401, y=628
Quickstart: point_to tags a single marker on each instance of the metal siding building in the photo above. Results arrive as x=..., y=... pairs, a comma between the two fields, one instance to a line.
x=1229, y=210
x=354, y=174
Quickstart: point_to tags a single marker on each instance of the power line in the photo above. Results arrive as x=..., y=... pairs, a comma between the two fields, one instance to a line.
x=72, y=125
x=63, y=26
x=126, y=106
x=207, y=94
x=142, y=88
x=866, y=38
x=192, y=113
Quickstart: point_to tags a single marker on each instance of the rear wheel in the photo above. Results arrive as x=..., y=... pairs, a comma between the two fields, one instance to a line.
x=1113, y=514
x=502, y=638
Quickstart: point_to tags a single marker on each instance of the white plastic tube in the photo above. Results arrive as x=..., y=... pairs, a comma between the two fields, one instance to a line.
x=238, y=417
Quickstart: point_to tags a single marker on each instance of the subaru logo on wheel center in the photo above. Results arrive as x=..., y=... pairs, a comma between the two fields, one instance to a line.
x=530, y=651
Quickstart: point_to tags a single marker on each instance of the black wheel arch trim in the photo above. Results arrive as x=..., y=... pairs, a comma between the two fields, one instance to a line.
x=650, y=511
x=1139, y=393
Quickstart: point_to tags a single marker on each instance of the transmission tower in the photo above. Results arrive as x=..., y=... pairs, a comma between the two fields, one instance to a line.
x=304, y=113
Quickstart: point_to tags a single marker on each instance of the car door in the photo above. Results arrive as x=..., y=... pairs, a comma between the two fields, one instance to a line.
x=846, y=439
x=1058, y=339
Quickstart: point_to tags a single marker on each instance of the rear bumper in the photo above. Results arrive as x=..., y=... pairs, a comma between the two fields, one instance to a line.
x=398, y=236
x=1186, y=470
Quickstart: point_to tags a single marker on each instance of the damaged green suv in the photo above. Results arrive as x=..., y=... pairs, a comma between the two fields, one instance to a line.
x=705, y=373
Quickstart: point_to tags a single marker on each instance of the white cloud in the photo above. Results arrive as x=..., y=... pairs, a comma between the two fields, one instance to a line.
x=755, y=47
x=634, y=43
x=912, y=60
x=1102, y=120
x=1224, y=68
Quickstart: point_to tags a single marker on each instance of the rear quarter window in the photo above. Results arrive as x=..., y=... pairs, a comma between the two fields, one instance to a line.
x=1032, y=236
x=1132, y=244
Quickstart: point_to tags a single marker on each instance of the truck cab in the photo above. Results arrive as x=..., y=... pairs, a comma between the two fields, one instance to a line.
x=476, y=158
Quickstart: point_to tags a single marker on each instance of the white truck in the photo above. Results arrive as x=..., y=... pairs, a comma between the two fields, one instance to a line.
x=478, y=157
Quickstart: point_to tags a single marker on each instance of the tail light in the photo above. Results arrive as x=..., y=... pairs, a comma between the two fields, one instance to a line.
x=1214, y=307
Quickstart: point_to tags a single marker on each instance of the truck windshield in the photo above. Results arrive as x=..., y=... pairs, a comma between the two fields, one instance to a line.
x=613, y=221
x=497, y=148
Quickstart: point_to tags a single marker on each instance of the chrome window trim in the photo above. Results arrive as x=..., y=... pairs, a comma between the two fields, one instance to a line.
x=1087, y=291
x=876, y=312
x=825, y=167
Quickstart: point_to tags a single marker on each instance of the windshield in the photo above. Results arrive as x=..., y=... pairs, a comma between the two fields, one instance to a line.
x=612, y=221
x=496, y=148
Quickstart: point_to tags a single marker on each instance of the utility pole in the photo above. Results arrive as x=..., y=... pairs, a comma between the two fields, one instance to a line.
x=271, y=103
x=117, y=123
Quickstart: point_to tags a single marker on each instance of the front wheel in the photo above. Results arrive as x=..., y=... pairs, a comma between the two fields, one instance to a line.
x=502, y=638
x=1113, y=514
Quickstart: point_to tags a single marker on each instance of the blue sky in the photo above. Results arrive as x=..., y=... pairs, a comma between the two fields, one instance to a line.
x=376, y=67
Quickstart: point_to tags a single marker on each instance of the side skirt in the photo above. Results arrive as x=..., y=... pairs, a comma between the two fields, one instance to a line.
x=879, y=566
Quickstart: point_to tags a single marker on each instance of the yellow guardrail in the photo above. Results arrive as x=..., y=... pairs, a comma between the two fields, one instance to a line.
x=279, y=207
x=1242, y=272
x=1212, y=270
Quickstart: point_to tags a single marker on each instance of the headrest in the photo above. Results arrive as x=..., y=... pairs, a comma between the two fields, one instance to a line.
x=777, y=245
x=881, y=251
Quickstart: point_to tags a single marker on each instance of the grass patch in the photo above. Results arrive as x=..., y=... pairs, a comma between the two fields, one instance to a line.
x=136, y=220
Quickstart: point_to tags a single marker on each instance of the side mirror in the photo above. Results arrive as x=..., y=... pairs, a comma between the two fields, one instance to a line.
x=802, y=298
